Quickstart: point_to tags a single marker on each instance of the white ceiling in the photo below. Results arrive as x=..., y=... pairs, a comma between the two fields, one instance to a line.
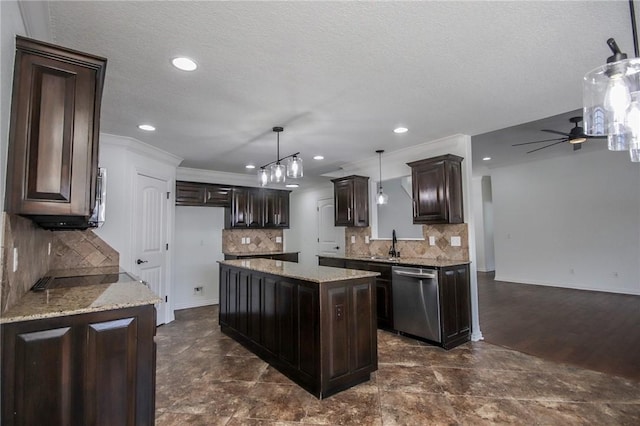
x=339, y=76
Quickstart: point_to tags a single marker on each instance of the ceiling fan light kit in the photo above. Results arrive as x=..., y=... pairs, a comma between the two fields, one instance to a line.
x=275, y=171
x=611, y=98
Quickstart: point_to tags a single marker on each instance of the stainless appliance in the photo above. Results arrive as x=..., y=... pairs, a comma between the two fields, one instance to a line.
x=416, y=302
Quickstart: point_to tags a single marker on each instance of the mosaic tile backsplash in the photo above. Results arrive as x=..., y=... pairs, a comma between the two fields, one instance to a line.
x=442, y=250
x=260, y=240
x=69, y=249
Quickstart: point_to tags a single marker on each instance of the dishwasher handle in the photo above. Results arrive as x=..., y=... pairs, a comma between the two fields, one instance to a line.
x=429, y=275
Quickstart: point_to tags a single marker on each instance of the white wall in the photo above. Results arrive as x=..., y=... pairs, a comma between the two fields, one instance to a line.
x=570, y=221
x=198, y=244
x=302, y=234
x=123, y=158
x=11, y=24
x=483, y=215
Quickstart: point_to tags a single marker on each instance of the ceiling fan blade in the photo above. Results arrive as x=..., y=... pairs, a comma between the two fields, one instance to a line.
x=556, y=132
x=546, y=146
x=595, y=137
x=544, y=140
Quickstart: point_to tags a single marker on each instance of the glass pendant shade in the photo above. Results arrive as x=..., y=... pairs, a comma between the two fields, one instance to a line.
x=294, y=167
x=263, y=176
x=381, y=197
x=609, y=96
x=278, y=172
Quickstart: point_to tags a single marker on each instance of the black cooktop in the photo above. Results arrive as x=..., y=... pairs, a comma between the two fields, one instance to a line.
x=46, y=283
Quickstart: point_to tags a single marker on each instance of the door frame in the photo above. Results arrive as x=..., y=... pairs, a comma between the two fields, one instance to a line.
x=166, y=287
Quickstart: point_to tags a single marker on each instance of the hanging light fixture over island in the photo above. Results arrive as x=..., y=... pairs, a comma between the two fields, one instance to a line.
x=275, y=171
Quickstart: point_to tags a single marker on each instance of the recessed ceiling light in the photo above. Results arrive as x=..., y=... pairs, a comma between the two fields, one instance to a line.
x=146, y=127
x=486, y=158
x=184, y=64
x=400, y=130
x=292, y=185
x=318, y=157
x=250, y=166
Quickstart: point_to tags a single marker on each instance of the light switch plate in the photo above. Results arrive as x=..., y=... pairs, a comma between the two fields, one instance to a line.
x=353, y=239
x=15, y=259
x=432, y=240
x=278, y=239
x=248, y=240
x=366, y=239
x=456, y=242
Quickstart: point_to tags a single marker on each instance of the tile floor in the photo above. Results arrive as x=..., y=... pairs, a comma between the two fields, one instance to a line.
x=205, y=378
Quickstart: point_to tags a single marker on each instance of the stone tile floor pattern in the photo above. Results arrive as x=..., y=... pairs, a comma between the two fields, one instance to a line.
x=206, y=378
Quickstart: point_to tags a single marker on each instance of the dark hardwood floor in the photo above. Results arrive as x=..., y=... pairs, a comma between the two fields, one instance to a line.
x=595, y=330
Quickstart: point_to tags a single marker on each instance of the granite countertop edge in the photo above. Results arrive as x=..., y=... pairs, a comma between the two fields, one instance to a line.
x=407, y=261
x=312, y=273
x=268, y=253
x=62, y=302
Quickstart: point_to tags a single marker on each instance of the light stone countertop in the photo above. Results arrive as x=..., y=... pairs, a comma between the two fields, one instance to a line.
x=404, y=261
x=57, y=302
x=301, y=271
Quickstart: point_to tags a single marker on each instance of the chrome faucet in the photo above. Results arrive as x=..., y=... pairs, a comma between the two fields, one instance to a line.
x=392, y=251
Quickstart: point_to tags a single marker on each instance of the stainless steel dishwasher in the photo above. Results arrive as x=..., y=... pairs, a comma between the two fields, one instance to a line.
x=416, y=302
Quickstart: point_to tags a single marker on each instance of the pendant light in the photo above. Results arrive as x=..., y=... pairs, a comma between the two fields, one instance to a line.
x=277, y=169
x=611, y=96
x=381, y=197
x=276, y=172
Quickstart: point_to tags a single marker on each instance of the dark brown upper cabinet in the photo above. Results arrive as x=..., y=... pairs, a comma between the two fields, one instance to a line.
x=276, y=208
x=202, y=194
x=53, y=140
x=351, y=201
x=437, y=190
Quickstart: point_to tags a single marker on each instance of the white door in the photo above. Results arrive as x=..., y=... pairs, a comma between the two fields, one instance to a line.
x=150, y=249
x=329, y=237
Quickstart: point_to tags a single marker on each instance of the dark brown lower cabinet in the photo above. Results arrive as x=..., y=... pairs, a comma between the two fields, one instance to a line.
x=455, y=299
x=87, y=369
x=321, y=336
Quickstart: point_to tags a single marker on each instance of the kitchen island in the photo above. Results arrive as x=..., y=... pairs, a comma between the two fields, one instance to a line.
x=81, y=352
x=315, y=324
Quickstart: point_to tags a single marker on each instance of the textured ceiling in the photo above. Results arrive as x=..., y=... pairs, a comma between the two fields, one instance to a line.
x=339, y=76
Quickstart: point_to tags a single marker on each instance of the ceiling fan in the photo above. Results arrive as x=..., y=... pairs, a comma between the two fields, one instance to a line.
x=575, y=137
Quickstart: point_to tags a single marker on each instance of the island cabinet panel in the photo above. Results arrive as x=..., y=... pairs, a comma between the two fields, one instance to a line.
x=320, y=335
x=87, y=369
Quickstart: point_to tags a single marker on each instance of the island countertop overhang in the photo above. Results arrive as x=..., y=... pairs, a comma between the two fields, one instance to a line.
x=302, y=271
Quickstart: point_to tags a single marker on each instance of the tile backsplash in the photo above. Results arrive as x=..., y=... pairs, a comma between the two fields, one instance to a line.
x=69, y=249
x=260, y=240
x=441, y=250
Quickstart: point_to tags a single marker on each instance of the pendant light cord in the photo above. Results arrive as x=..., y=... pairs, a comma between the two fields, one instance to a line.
x=278, y=149
x=634, y=30
x=380, y=169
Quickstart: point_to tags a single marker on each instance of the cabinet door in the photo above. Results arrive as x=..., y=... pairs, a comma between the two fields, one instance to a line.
x=429, y=204
x=110, y=372
x=255, y=208
x=53, y=141
x=269, y=332
x=38, y=376
x=308, y=326
x=287, y=322
x=455, y=304
x=384, y=303
x=239, y=210
x=217, y=195
x=255, y=302
x=271, y=208
x=361, y=202
x=189, y=194
x=224, y=292
x=343, y=199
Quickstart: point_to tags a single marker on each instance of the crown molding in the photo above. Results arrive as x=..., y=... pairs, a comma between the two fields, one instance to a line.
x=36, y=19
x=140, y=148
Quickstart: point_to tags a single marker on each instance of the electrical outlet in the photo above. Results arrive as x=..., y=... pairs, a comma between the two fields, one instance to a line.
x=197, y=291
x=456, y=242
x=248, y=240
x=15, y=259
x=339, y=312
x=244, y=240
x=432, y=240
x=366, y=239
x=278, y=239
x=49, y=249
x=353, y=239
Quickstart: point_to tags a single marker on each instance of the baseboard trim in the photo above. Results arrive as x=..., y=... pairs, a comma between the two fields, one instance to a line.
x=195, y=304
x=572, y=287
